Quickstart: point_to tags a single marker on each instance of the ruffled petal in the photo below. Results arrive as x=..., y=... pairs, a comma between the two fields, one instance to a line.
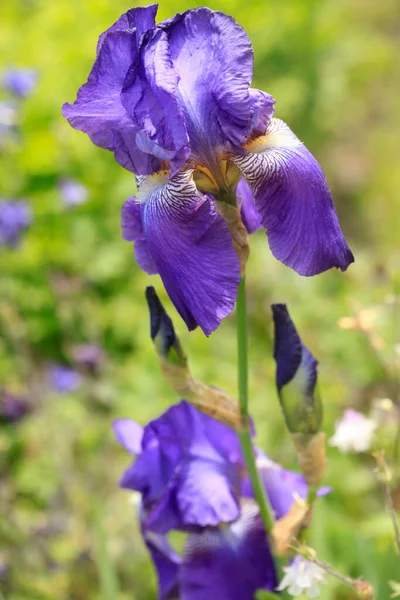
x=206, y=495
x=132, y=231
x=262, y=109
x=191, y=248
x=248, y=211
x=150, y=97
x=98, y=110
x=294, y=202
x=129, y=434
x=139, y=19
x=213, y=58
x=227, y=563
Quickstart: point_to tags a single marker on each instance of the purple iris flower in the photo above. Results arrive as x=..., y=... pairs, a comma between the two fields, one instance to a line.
x=64, y=379
x=173, y=102
x=15, y=217
x=191, y=475
x=73, y=193
x=21, y=82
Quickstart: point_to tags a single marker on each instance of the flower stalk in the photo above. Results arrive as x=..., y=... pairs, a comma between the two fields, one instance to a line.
x=244, y=434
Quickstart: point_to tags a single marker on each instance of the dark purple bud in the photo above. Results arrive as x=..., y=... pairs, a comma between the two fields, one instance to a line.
x=296, y=376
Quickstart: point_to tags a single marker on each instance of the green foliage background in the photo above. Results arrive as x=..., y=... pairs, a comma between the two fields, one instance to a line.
x=66, y=529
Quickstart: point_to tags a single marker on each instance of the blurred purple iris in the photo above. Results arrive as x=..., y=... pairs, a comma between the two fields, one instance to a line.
x=73, y=193
x=13, y=408
x=191, y=475
x=21, y=82
x=173, y=102
x=15, y=217
x=64, y=379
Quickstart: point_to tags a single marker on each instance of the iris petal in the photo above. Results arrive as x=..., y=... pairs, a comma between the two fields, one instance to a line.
x=280, y=484
x=98, y=110
x=129, y=434
x=213, y=58
x=294, y=202
x=206, y=495
x=150, y=97
x=248, y=211
x=132, y=231
x=229, y=562
x=139, y=19
x=191, y=248
x=262, y=108
x=166, y=563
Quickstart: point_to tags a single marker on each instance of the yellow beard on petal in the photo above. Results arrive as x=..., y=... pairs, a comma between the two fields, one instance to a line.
x=149, y=184
x=278, y=135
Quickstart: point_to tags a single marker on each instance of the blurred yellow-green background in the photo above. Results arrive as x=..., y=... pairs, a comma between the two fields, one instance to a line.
x=66, y=530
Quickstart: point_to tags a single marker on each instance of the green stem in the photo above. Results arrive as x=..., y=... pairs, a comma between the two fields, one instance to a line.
x=245, y=435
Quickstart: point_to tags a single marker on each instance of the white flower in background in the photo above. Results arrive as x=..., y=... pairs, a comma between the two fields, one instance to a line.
x=135, y=500
x=302, y=577
x=73, y=193
x=353, y=432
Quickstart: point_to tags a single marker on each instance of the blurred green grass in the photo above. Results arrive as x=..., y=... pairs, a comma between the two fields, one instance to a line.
x=333, y=69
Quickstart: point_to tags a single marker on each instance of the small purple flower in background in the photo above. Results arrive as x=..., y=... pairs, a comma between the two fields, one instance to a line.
x=73, y=193
x=64, y=379
x=191, y=475
x=173, y=102
x=13, y=408
x=15, y=217
x=89, y=356
x=20, y=82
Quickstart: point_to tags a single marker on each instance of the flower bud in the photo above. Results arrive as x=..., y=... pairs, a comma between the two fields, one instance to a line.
x=162, y=331
x=296, y=376
x=173, y=362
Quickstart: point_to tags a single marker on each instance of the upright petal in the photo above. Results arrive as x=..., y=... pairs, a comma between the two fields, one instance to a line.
x=229, y=562
x=129, y=434
x=262, y=108
x=98, y=110
x=150, y=97
x=192, y=249
x=294, y=202
x=213, y=58
x=248, y=211
x=139, y=19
